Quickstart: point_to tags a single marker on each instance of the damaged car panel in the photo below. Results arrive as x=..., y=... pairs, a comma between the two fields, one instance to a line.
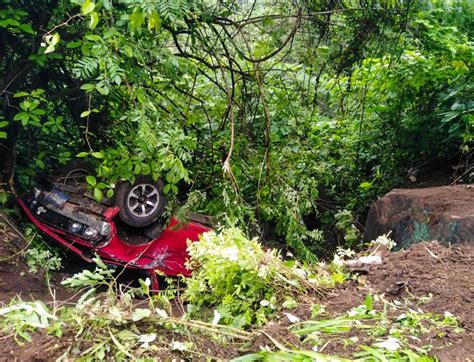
x=87, y=227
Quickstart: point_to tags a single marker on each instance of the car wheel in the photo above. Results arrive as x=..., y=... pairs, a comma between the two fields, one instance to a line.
x=140, y=203
x=74, y=173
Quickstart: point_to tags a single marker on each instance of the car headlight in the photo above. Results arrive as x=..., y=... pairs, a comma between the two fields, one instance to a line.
x=90, y=233
x=75, y=227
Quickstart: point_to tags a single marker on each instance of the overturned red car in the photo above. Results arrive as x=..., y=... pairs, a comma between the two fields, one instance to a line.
x=127, y=231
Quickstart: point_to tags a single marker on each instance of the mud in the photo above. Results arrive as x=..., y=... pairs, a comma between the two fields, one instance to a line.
x=16, y=281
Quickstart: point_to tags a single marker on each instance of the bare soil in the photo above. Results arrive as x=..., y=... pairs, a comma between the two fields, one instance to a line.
x=15, y=279
x=437, y=278
x=442, y=274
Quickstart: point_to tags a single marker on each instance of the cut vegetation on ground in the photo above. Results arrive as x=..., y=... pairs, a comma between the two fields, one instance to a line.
x=254, y=305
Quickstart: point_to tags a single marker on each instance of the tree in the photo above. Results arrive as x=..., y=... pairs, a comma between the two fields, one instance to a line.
x=273, y=113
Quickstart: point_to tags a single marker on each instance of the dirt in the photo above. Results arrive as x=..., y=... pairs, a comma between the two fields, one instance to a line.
x=449, y=172
x=16, y=281
x=442, y=278
x=436, y=278
x=44, y=348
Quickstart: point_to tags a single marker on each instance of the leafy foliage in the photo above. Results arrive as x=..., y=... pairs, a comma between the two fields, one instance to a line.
x=42, y=260
x=245, y=283
x=283, y=116
x=25, y=317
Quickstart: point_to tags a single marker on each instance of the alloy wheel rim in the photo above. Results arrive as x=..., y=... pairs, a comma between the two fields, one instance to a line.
x=143, y=200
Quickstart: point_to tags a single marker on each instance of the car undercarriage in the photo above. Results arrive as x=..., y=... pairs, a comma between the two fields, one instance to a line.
x=69, y=215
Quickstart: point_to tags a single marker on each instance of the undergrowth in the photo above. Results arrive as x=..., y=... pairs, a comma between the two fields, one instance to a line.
x=246, y=283
x=236, y=294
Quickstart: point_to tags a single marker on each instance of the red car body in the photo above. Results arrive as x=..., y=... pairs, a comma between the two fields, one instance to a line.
x=166, y=253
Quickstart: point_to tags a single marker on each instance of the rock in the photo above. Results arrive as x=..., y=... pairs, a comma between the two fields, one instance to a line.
x=442, y=213
x=364, y=260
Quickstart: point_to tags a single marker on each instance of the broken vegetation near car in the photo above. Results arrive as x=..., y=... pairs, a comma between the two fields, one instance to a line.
x=283, y=118
x=242, y=302
x=267, y=283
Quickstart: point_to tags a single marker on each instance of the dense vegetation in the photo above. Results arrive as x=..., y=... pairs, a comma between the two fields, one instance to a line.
x=285, y=118
x=237, y=305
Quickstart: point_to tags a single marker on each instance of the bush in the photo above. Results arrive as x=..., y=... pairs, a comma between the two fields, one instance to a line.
x=244, y=283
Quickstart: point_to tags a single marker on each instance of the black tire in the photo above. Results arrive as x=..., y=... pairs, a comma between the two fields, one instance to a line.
x=73, y=173
x=141, y=203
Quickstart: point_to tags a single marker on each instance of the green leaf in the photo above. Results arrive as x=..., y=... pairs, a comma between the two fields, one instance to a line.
x=25, y=105
x=97, y=154
x=98, y=194
x=3, y=123
x=369, y=302
x=83, y=154
x=26, y=28
x=94, y=20
x=22, y=116
x=3, y=135
x=93, y=37
x=40, y=164
x=74, y=44
x=375, y=353
x=120, y=346
x=154, y=21
x=104, y=90
x=110, y=193
x=9, y=21
x=107, y=5
x=37, y=92
x=267, y=21
x=88, y=87
x=136, y=19
x=140, y=95
x=140, y=313
x=91, y=180
x=39, y=112
x=85, y=113
x=365, y=185
x=145, y=284
x=21, y=94
x=87, y=7
x=35, y=118
x=51, y=40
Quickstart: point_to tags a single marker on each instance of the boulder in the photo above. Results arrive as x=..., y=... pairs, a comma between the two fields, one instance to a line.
x=442, y=213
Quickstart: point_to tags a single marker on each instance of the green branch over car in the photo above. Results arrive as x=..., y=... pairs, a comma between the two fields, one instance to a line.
x=283, y=118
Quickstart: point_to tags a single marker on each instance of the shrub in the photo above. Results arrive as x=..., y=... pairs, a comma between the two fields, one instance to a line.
x=244, y=283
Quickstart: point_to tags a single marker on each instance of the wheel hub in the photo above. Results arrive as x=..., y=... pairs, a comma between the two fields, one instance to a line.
x=143, y=200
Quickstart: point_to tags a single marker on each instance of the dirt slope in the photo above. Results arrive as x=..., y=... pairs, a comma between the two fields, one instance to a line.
x=445, y=273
